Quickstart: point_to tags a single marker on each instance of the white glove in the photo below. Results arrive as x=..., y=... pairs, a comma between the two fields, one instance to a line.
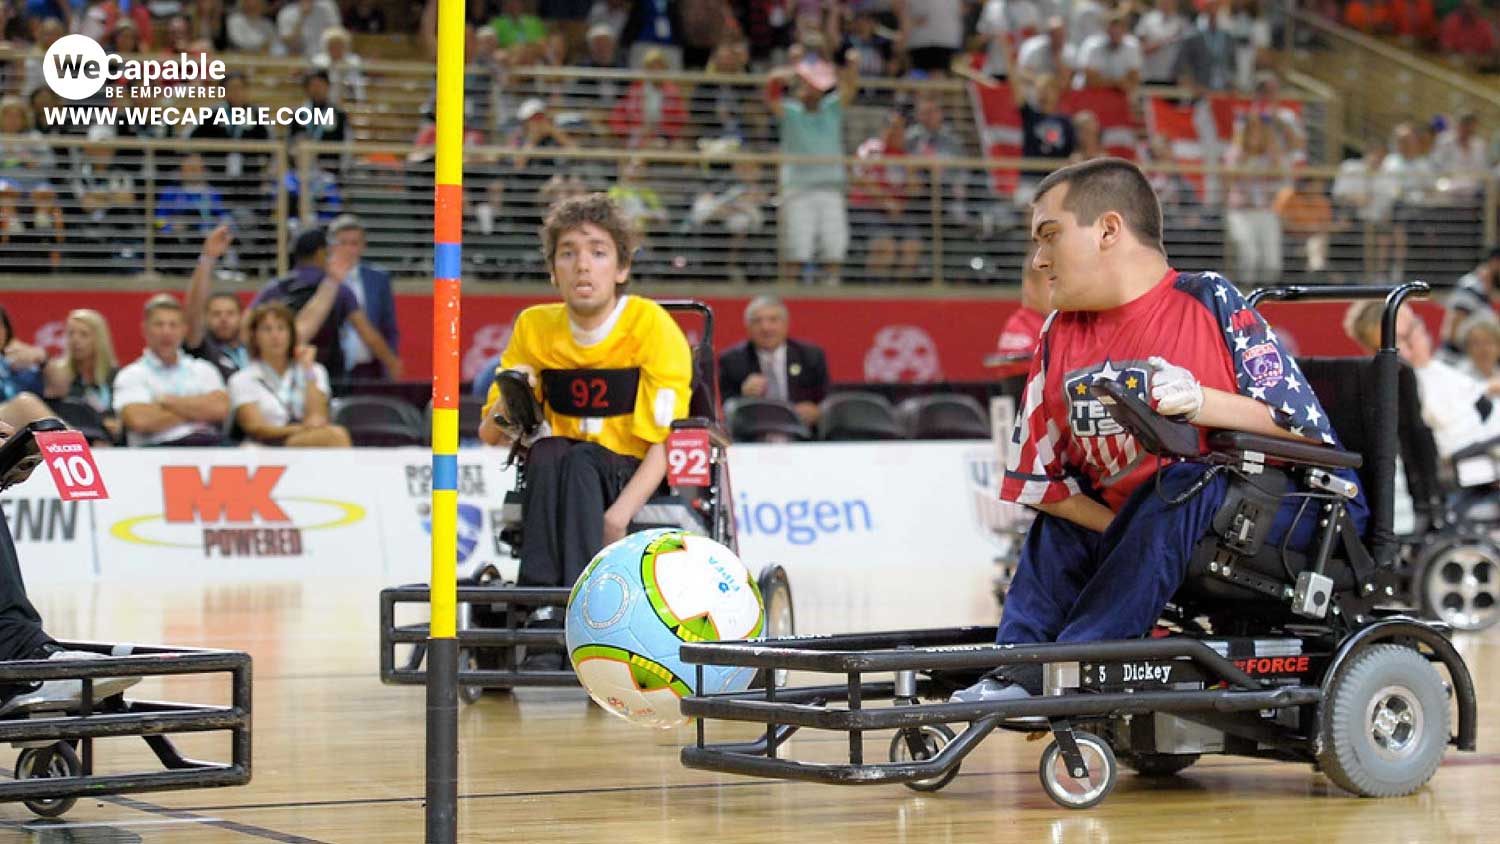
x=1175, y=390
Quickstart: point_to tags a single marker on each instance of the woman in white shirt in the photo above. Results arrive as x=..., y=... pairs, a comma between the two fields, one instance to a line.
x=282, y=398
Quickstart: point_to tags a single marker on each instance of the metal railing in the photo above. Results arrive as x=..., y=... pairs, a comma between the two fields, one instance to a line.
x=125, y=208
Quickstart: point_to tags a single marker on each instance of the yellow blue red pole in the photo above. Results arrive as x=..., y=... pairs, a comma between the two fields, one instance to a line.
x=447, y=237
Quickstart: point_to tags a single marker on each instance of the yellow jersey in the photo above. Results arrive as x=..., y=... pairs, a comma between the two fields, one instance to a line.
x=620, y=386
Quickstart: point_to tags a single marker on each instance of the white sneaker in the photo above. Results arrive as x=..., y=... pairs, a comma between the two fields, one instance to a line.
x=65, y=695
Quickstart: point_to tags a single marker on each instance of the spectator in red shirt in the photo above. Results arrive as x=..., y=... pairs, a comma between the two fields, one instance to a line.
x=1466, y=34
x=877, y=205
x=652, y=112
x=1413, y=21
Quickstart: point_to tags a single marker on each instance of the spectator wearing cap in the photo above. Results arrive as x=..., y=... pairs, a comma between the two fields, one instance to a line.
x=301, y=24
x=166, y=397
x=603, y=48
x=316, y=292
x=811, y=123
x=1112, y=58
x=346, y=74
x=771, y=365
x=372, y=288
x=653, y=112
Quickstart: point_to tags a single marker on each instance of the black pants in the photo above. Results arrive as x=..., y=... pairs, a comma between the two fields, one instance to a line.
x=569, y=485
x=20, y=624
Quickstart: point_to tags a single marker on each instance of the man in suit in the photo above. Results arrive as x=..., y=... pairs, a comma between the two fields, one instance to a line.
x=772, y=366
x=372, y=287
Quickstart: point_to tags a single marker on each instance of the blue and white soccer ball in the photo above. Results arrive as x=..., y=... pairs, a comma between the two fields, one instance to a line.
x=638, y=601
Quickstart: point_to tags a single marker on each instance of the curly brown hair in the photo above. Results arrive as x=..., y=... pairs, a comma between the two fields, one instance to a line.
x=260, y=314
x=597, y=208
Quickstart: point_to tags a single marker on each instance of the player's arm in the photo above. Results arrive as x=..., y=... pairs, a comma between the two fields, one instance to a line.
x=647, y=478
x=1080, y=510
x=1232, y=411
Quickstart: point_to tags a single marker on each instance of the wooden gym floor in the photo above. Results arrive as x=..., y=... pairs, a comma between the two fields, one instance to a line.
x=338, y=758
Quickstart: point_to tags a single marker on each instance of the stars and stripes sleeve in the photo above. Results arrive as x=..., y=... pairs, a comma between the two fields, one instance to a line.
x=1035, y=472
x=1263, y=370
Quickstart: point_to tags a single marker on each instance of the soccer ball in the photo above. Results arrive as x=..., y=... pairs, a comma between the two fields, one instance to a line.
x=641, y=598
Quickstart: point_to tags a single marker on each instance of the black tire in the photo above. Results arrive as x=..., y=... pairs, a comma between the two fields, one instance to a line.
x=918, y=744
x=1057, y=781
x=1158, y=764
x=58, y=760
x=1458, y=584
x=1384, y=723
x=781, y=617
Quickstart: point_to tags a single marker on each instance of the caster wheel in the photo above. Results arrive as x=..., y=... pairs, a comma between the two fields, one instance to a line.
x=53, y=762
x=1079, y=789
x=918, y=744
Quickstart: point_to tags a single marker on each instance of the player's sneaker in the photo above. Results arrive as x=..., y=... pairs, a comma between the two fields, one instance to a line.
x=1013, y=682
x=61, y=695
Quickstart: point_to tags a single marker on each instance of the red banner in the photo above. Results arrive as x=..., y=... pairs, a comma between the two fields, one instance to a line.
x=867, y=340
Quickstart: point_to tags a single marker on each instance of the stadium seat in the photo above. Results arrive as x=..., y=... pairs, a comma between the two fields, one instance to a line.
x=81, y=417
x=379, y=421
x=943, y=416
x=763, y=420
x=858, y=416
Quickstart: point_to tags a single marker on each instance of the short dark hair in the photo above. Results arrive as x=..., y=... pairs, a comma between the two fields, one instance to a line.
x=1110, y=184
x=315, y=73
x=597, y=208
x=260, y=314
x=307, y=244
x=225, y=294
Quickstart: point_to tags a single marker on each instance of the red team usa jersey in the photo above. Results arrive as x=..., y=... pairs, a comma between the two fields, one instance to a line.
x=1065, y=443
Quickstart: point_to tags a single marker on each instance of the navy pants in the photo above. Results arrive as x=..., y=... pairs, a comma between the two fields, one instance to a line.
x=1076, y=585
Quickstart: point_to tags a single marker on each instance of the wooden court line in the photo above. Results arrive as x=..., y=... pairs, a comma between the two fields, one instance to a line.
x=232, y=826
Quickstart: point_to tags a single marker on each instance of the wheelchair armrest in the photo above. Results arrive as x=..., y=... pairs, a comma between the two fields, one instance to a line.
x=716, y=434
x=1159, y=435
x=1479, y=449
x=19, y=454
x=1288, y=450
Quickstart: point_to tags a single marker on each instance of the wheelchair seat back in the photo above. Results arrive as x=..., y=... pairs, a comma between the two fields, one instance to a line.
x=1347, y=390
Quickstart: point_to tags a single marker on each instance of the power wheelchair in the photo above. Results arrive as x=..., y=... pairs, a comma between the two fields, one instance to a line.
x=1262, y=652
x=498, y=621
x=1449, y=561
x=56, y=763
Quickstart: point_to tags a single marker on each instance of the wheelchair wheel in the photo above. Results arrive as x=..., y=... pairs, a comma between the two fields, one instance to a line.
x=918, y=744
x=52, y=762
x=1459, y=584
x=471, y=616
x=781, y=619
x=1158, y=764
x=1093, y=785
x=1384, y=723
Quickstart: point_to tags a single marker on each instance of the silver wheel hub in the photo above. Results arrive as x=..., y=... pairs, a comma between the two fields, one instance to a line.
x=1395, y=722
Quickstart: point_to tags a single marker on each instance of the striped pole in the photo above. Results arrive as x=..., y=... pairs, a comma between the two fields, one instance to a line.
x=447, y=238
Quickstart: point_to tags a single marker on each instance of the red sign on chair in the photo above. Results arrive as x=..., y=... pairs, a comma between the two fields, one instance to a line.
x=71, y=462
x=688, y=458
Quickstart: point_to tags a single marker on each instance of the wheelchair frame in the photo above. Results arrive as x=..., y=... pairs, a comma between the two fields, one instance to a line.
x=483, y=590
x=56, y=766
x=1126, y=688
